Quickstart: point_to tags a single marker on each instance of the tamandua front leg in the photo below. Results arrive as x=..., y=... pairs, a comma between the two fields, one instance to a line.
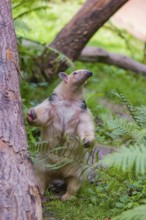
x=86, y=130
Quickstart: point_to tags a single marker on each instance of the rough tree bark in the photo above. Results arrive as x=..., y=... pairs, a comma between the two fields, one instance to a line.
x=74, y=36
x=94, y=54
x=19, y=196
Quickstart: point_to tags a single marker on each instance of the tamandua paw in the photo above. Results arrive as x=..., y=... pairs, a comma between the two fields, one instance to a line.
x=88, y=143
x=67, y=197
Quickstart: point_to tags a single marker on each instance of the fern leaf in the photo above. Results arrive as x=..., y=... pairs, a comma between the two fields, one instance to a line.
x=121, y=127
x=27, y=12
x=132, y=109
x=22, y=26
x=126, y=159
x=48, y=158
x=61, y=57
x=141, y=115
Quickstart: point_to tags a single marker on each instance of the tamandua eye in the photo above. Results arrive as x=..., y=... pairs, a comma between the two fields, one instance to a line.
x=75, y=73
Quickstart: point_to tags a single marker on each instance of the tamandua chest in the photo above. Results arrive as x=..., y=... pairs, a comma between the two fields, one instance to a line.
x=67, y=115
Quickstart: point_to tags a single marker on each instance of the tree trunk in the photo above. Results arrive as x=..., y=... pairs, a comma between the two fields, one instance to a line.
x=19, y=195
x=74, y=36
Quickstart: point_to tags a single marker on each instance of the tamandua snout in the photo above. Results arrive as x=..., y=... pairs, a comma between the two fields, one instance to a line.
x=65, y=114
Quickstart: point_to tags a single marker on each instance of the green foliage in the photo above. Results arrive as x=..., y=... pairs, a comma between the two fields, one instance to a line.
x=30, y=52
x=48, y=158
x=49, y=22
x=21, y=26
x=34, y=93
x=108, y=196
x=21, y=9
x=132, y=109
x=128, y=159
x=138, y=213
x=121, y=128
x=131, y=157
x=113, y=191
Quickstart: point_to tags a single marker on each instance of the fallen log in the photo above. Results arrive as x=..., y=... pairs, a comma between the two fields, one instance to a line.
x=95, y=54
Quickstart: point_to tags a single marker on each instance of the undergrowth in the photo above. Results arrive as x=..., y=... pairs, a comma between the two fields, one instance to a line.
x=108, y=196
x=120, y=190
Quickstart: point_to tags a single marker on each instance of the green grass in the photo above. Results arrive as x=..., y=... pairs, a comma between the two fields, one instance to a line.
x=110, y=196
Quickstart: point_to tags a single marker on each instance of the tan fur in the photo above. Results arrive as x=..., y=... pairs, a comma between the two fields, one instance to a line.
x=60, y=118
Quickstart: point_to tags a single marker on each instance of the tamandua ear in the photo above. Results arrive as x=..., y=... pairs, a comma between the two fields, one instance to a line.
x=63, y=76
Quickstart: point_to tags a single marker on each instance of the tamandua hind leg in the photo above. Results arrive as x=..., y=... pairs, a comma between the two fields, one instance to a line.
x=73, y=186
x=44, y=179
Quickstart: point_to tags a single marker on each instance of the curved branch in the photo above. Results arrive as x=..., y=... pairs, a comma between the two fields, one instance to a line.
x=93, y=54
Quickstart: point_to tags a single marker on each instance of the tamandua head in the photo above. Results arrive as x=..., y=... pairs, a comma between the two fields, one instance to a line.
x=72, y=84
x=76, y=78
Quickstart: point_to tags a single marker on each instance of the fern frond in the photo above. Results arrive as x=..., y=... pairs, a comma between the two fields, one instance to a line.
x=48, y=158
x=22, y=26
x=137, y=213
x=23, y=8
x=27, y=3
x=16, y=3
x=61, y=57
x=128, y=159
x=132, y=109
x=121, y=127
x=141, y=115
x=35, y=148
x=35, y=9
